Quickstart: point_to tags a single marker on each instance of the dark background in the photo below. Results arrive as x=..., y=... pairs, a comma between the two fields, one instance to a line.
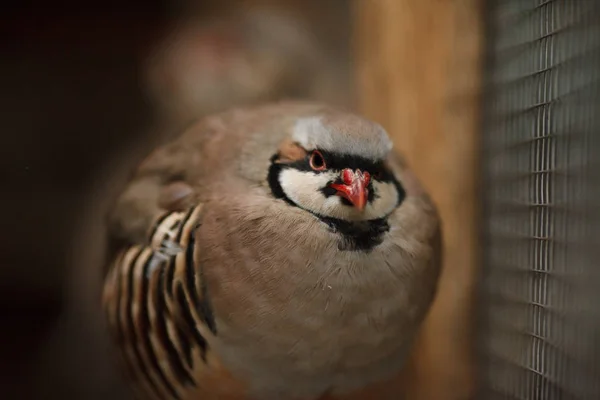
x=70, y=97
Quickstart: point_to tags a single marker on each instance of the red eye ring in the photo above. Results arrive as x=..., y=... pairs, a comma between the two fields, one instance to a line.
x=317, y=161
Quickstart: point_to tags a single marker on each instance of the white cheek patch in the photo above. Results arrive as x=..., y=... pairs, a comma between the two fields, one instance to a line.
x=304, y=189
x=386, y=199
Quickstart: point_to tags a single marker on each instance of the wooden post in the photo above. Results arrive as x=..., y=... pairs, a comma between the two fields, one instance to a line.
x=418, y=66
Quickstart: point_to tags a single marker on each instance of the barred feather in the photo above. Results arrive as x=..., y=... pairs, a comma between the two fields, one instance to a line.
x=158, y=311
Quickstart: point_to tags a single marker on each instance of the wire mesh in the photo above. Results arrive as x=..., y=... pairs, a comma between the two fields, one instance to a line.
x=540, y=313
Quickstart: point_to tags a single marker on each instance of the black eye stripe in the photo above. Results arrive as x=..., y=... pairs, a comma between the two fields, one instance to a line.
x=340, y=161
x=337, y=162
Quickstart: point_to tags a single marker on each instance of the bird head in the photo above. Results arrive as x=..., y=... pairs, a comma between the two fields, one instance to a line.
x=335, y=167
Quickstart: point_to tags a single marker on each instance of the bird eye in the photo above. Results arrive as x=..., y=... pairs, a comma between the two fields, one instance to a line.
x=317, y=162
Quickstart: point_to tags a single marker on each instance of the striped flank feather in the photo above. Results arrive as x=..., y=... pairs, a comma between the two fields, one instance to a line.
x=158, y=311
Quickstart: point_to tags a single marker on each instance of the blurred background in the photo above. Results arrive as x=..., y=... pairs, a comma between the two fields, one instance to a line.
x=494, y=103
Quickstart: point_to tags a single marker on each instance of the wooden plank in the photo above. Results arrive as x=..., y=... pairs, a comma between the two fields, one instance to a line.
x=418, y=69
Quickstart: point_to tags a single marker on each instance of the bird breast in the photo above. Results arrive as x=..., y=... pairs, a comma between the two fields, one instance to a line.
x=294, y=312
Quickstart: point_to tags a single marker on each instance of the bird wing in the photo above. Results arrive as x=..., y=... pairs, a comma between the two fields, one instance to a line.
x=160, y=316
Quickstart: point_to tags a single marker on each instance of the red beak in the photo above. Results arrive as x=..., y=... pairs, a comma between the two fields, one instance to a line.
x=354, y=187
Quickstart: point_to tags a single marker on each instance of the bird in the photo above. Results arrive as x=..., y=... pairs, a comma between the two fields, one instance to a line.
x=276, y=251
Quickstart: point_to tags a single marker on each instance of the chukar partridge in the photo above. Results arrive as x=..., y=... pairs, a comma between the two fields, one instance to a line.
x=277, y=252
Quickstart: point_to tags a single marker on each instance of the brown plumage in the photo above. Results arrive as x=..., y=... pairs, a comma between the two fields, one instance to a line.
x=275, y=252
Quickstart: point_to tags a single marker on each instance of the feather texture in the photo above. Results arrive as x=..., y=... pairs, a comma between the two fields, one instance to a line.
x=159, y=312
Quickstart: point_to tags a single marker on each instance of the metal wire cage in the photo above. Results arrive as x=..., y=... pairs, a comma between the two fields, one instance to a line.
x=540, y=308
